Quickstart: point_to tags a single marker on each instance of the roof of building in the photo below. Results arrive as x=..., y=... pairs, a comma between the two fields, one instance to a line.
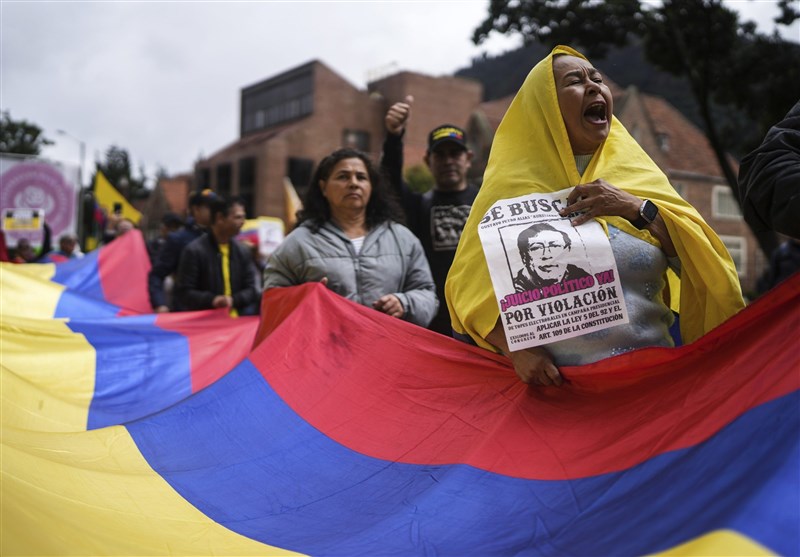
x=251, y=139
x=686, y=148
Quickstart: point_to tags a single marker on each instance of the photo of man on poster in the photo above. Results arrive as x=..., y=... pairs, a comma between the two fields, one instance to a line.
x=545, y=251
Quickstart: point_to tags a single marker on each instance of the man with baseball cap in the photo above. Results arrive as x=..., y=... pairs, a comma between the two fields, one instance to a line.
x=166, y=262
x=437, y=217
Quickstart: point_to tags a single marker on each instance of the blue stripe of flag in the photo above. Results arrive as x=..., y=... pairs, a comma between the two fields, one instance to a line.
x=140, y=368
x=83, y=296
x=245, y=459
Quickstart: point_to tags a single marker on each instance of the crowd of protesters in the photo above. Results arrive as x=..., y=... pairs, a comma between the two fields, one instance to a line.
x=367, y=236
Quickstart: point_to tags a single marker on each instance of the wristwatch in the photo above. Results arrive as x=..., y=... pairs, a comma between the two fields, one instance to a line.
x=647, y=214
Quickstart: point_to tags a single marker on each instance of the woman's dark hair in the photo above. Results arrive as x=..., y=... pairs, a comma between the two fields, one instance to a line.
x=316, y=210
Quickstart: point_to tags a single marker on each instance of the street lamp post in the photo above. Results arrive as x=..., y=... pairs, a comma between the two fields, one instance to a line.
x=80, y=227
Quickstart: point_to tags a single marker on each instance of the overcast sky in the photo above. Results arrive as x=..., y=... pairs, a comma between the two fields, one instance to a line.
x=162, y=79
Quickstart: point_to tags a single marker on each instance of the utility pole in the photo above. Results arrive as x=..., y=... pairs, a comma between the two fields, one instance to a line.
x=80, y=227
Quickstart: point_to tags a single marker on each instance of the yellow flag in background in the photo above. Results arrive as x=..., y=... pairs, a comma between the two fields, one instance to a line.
x=107, y=195
x=293, y=203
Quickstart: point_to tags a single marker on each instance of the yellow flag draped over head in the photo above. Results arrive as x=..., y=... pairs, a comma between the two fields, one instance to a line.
x=530, y=153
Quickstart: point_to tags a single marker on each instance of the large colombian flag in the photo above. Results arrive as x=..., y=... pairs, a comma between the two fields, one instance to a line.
x=345, y=432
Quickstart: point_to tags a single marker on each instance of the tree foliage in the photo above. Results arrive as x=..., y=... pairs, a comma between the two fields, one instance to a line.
x=726, y=62
x=419, y=178
x=20, y=136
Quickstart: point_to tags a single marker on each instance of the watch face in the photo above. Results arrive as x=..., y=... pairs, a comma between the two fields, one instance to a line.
x=649, y=211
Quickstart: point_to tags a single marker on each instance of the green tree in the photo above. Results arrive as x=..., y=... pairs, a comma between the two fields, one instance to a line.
x=727, y=63
x=161, y=174
x=20, y=136
x=419, y=178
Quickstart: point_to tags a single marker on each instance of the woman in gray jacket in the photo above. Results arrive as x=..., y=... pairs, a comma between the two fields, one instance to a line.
x=347, y=238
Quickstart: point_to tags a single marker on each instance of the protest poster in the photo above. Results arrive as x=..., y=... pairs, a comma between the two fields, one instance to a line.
x=25, y=223
x=265, y=232
x=552, y=280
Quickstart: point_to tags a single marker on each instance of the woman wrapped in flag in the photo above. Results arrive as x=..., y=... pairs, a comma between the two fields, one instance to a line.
x=559, y=133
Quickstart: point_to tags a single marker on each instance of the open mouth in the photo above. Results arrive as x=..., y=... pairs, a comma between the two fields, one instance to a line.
x=596, y=113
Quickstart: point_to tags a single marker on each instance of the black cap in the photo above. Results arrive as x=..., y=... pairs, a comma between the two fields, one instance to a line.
x=446, y=132
x=171, y=219
x=203, y=197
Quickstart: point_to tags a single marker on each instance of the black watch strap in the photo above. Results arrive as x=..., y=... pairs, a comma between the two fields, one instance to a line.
x=648, y=212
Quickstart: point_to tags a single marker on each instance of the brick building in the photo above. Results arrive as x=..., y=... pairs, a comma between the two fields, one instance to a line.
x=290, y=121
x=683, y=152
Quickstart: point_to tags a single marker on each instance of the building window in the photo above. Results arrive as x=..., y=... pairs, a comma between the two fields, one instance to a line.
x=224, y=179
x=247, y=183
x=662, y=139
x=724, y=204
x=737, y=247
x=355, y=139
x=203, y=179
x=286, y=97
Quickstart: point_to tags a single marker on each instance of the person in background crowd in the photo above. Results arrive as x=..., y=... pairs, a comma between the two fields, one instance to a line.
x=124, y=226
x=346, y=239
x=3, y=248
x=783, y=263
x=436, y=217
x=215, y=270
x=116, y=226
x=47, y=245
x=166, y=263
x=24, y=252
x=170, y=222
x=67, y=248
x=560, y=132
x=769, y=179
x=259, y=261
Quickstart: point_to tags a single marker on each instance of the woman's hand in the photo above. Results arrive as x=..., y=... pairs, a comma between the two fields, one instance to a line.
x=532, y=365
x=390, y=305
x=600, y=199
x=535, y=365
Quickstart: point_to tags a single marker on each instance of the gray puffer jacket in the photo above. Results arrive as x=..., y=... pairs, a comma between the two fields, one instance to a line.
x=391, y=261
